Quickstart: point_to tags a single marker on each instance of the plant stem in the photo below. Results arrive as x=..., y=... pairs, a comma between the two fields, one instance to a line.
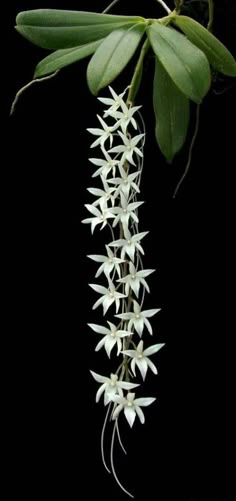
x=164, y=6
x=138, y=68
x=110, y=6
x=211, y=14
x=178, y=4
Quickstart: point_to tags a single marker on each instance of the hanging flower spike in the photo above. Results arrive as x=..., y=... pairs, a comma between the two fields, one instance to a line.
x=115, y=208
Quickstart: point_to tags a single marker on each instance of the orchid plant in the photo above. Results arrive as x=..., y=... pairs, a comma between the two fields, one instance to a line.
x=185, y=54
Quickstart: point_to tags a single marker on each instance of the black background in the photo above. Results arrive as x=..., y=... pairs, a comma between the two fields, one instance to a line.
x=186, y=449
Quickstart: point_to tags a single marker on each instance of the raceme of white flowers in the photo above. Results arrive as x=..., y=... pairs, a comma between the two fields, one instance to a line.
x=121, y=279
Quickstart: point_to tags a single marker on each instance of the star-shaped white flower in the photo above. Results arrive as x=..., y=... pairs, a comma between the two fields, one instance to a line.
x=111, y=386
x=111, y=337
x=125, y=117
x=114, y=103
x=108, y=296
x=125, y=183
x=109, y=263
x=129, y=244
x=134, y=279
x=99, y=216
x=105, y=165
x=125, y=211
x=104, y=196
x=128, y=148
x=131, y=407
x=140, y=358
x=105, y=133
x=138, y=318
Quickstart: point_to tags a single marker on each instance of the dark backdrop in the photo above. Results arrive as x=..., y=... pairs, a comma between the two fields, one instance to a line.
x=185, y=450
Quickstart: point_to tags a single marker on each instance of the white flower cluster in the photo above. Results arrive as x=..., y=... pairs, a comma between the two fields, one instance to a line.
x=115, y=206
x=120, y=165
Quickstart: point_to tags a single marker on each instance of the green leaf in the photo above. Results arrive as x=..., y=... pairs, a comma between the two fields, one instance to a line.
x=63, y=37
x=186, y=65
x=61, y=58
x=112, y=56
x=219, y=57
x=62, y=18
x=171, y=109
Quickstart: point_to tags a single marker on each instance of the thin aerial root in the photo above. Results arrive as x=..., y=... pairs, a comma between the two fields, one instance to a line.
x=190, y=151
x=27, y=86
x=119, y=438
x=112, y=463
x=102, y=438
x=109, y=7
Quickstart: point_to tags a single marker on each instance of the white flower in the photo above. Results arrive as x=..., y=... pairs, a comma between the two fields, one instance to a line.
x=134, y=279
x=125, y=211
x=125, y=183
x=111, y=386
x=140, y=358
x=129, y=244
x=105, y=195
x=138, y=318
x=125, y=117
x=131, y=407
x=105, y=133
x=108, y=297
x=128, y=148
x=109, y=262
x=105, y=165
x=99, y=216
x=114, y=103
x=111, y=337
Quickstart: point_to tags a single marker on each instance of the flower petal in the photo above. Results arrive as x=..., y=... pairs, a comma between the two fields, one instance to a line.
x=153, y=349
x=151, y=365
x=143, y=367
x=130, y=415
x=100, y=329
x=140, y=414
x=117, y=411
x=99, y=378
x=144, y=402
x=100, y=344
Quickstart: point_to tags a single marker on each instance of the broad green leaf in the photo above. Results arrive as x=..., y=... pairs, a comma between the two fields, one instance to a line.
x=186, y=65
x=65, y=37
x=219, y=57
x=62, y=18
x=171, y=109
x=112, y=56
x=61, y=58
